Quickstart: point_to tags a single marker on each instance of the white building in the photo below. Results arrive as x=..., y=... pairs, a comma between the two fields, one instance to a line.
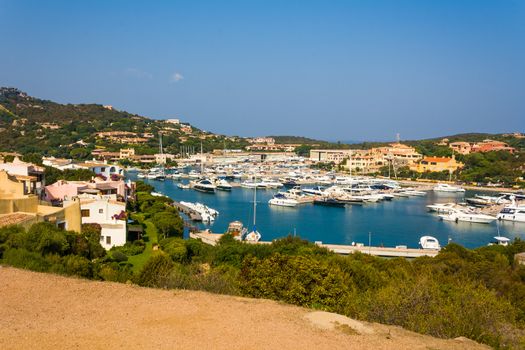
x=108, y=213
x=104, y=169
x=173, y=121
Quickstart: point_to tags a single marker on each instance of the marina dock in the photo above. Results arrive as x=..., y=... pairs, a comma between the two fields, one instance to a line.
x=390, y=252
x=192, y=214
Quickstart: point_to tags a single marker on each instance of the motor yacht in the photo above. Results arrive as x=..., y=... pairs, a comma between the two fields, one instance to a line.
x=223, y=185
x=512, y=212
x=429, y=242
x=282, y=201
x=468, y=216
x=204, y=186
x=271, y=183
x=329, y=202
x=316, y=191
x=442, y=208
x=412, y=192
x=446, y=188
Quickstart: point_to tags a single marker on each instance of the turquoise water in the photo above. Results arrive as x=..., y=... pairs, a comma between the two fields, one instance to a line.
x=401, y=221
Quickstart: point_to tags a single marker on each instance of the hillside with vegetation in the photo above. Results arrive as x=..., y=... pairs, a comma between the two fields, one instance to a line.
x=30, y=125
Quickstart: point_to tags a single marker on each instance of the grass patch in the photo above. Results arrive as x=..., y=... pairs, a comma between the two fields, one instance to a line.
x=139, y=260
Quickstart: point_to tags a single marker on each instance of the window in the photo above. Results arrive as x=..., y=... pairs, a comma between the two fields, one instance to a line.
x=102, y=238
x=108, y=239
x=85, y=213
x=102, y=169
x=101, y=211
x=62, y=225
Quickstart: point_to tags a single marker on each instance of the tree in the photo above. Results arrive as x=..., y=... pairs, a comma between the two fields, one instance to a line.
x=169, y=224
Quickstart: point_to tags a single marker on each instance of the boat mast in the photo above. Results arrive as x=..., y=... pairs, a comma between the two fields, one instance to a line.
x=202, y=163
x=254, y=205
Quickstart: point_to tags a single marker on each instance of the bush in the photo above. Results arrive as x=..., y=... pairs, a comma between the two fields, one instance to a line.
x=176, y=249
x=118, y=256
x=156, y=271
x=201, y=277
x=296, y=280
x=78, y=266
x=25, y=259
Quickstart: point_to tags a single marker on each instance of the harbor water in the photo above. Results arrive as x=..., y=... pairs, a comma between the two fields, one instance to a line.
x=401, y=221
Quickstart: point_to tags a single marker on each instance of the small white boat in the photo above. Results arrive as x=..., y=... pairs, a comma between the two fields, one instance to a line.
x=281, y=201
x=500, y=240
x=466, y=216
x=429, y=242
x=252, y=237
x=441, y=187
x=183, y=186
x=411, y=192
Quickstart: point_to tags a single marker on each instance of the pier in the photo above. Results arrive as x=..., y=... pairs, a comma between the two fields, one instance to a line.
x=387, y=252
x=191, y=213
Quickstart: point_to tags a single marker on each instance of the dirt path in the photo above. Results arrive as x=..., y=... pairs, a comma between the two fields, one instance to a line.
x=43, y=311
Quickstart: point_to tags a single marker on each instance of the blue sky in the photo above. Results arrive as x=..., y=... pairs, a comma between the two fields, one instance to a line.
x=337, y=70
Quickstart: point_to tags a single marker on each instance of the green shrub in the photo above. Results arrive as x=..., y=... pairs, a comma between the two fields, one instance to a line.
x=78, y=266
x=22, y=258
x=118, y=256
x=156, y=271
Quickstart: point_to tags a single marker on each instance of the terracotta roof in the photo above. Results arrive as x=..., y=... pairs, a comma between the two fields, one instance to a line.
x=14, y=218
x=437, y=159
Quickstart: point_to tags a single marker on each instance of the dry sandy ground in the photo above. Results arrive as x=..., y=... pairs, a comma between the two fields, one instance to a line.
x=43, y=311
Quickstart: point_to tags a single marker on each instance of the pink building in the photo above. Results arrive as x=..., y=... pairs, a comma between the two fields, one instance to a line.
x=63, y=190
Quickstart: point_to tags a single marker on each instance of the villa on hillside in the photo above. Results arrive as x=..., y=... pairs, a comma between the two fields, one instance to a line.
x=462, y=147
x=18, y=207
x=370, y=160
x=30, y=174
x=437, y=164
x=105, y=211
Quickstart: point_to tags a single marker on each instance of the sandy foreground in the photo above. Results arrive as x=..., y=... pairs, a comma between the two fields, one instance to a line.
x=44, y=311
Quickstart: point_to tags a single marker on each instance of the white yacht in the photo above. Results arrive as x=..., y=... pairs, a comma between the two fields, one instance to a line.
x=468, y=216
x=512, y=212
x=282, y=201
x=270, y=183
x=223, y=185
x=204, y=186
x=441, y=187
x=445, y=208
x=412, y=192
x=429, y=242
x=316, y=191
x=183, y=186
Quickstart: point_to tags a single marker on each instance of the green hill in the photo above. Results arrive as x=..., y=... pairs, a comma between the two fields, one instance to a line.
x=31, y=125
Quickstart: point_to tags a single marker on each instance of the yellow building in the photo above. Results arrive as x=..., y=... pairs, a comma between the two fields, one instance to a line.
x=19, y=208
x=437, y=164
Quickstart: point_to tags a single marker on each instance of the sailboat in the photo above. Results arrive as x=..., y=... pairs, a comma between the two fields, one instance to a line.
x=254, y=236
x=158, y=173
